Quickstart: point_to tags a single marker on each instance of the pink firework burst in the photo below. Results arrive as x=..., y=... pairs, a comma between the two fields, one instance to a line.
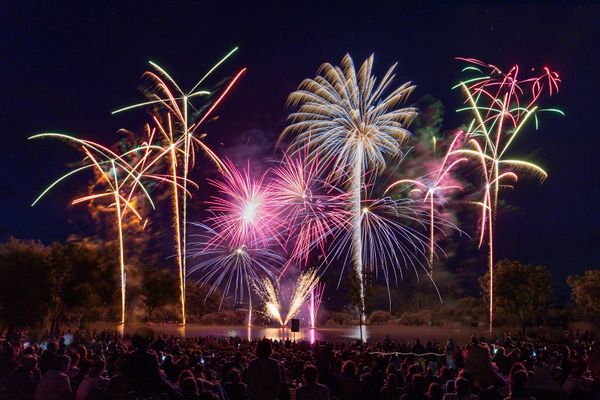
x=310, y=209
x=244, y=212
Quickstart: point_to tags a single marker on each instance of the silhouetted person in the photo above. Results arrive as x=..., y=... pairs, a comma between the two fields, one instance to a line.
x=92, y=380
x=462, y=391
x=234, y=387
x=416, y=389
x=311, y=390
x=55, y=385
x=21, y=383
x=141, y=371
x=390, y=391
x=263, y=376
x=189, y=388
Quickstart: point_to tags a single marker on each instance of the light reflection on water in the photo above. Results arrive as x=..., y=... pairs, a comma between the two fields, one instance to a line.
x=371, y=333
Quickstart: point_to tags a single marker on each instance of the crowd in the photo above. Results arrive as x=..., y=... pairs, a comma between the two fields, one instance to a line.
x=105, y=365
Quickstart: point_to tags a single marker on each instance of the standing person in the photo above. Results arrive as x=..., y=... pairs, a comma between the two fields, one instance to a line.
x=518, y=389
x=451, y=354
x=22, y=381
x=141, y=371
x=478, y=365
x=263, y=376
x=311, y=390
x=390, y=391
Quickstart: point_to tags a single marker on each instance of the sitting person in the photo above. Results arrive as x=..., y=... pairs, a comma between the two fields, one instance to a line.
x=92, y=380
x=234, y=387
x=311, y=390
x=518, y=389
x=462, y=391
x=55, y=385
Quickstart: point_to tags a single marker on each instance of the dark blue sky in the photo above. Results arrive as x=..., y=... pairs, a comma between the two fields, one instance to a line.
x=65, y=67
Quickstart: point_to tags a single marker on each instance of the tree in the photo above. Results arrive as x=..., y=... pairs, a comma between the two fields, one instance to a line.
x=523, y=291
x=200, y=301
x=159, y=288
x=24, y=283
x=585, y=292
x=82, y=281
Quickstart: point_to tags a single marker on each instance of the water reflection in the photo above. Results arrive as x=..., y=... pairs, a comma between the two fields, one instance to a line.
x=370, y=333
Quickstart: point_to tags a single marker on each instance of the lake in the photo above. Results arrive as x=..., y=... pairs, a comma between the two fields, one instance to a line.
x=371, y=333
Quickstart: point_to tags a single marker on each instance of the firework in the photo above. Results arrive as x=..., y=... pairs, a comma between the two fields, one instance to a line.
x=233, y=268
x=501, y=104
x=434, y=185
x=316, y=295
x=352, y=125
x=121, y=175
x=245, y=210
x=392, y=239
x=270, y=296
x=305, y=285
x=165, y=93
x=309, y=209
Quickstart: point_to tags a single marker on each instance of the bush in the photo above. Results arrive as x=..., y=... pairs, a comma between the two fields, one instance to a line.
x=224, y=318
x=380, y=317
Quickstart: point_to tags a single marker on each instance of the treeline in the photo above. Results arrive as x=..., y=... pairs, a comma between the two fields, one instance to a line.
x=46, y=286
x=523, y=297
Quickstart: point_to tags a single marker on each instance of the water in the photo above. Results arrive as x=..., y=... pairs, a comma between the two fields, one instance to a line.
x=371, y=333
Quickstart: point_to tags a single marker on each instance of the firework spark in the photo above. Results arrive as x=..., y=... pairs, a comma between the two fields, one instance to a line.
x=270, y=296
x=305, y=285
x=351, y=124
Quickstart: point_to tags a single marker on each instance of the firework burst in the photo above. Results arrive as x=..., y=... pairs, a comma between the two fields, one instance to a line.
x=434, y=186
x=309, y=209
x=231, y=267
x=244, y=211
x=353, y=125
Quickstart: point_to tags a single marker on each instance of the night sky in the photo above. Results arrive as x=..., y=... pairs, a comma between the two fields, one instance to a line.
x=65, y=67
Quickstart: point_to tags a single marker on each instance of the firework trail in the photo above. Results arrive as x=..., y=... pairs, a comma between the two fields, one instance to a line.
x=122, y=176
x=350, y=123
x=305, y=285
x=231, y=267
x=270, y=296
x=434, y=186
x=501, y=104
x=316, y=296
x=167, y=95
